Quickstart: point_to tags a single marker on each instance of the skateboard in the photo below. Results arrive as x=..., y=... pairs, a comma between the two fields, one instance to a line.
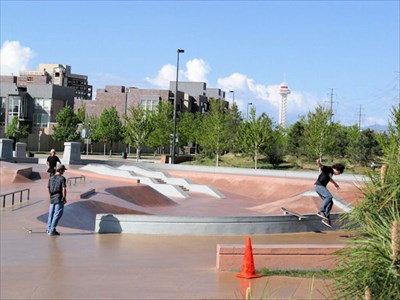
x=293, y=213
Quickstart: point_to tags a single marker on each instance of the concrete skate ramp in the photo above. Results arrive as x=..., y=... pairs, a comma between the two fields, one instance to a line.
x=141, y=195
x=82, y=215
x=11, y=173
x=252, y=206
x=258, y=187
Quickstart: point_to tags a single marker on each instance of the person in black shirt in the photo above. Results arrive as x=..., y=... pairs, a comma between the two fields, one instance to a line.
x=320, y=187
x=52, y=161
x=57, y=188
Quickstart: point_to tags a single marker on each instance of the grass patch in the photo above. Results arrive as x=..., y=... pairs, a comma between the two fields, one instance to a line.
x=290, y=164
x=320, y=274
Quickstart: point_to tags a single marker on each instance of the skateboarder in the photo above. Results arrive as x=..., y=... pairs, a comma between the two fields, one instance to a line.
x=52, y=162
x=320, y=187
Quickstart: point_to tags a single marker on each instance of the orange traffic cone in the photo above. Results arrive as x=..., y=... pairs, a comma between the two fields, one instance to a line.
x=248, y=270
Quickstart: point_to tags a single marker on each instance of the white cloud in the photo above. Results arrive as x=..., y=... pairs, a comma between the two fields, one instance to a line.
x=265, y=97
x=14, y=57
x=375, y=121
x=235, y=82
x=166, y=74
x=197, y=70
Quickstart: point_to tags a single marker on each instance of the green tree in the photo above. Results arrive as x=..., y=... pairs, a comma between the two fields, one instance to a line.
x=372, y=259
x=216, y=136
x=189, y=128
x=137, y=128
x=81, y=114
x=235, y=121
x=317, y=133
x=276, y=147
x=340, y=136
x=92, y=122
x=363, y=147
x=109, y=128
x=295, y=140
x=17, y=130
x=254, y=135
x=162, y=126
x=66, y=128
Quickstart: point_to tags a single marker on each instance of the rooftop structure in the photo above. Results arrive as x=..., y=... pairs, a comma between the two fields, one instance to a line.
x=57, y=74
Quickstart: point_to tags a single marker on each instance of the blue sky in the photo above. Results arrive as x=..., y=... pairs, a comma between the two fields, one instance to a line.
x=250, y=47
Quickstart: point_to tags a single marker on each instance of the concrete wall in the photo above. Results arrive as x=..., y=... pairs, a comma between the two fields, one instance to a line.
x=144, y=224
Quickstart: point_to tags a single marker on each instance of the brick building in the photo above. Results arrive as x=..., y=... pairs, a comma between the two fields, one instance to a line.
x=36, y=97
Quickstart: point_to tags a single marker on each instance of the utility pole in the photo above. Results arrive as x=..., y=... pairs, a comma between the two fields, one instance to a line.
x=331, y=105
x=359, y=119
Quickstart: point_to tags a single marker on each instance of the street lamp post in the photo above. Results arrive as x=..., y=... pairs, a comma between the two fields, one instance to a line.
x=175, y=101
x=40, y=134
x=248, y=104
x=233, y=97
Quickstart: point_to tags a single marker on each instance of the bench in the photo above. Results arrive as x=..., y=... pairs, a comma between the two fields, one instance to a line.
x=279, y=256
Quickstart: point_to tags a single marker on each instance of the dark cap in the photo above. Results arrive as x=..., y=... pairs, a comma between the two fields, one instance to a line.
x=61, y=167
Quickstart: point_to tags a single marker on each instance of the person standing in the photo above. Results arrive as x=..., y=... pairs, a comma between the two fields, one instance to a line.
x=57, y=188
x=320, y=187
x=373, y=166
x=52, y=161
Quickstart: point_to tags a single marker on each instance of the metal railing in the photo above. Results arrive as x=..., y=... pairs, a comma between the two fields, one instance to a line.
x=13, y=196
x=69, y=180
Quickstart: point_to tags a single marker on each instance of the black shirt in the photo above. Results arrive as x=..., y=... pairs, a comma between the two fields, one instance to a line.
x=325, y=176
x=56, y=184
x=53, y=160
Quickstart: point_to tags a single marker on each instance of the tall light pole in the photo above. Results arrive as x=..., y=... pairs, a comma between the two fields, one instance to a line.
x=175, y=101
x=248, y=104
x=233, y=96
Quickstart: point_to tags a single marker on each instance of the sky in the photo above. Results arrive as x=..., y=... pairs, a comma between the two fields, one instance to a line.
x=343, y=54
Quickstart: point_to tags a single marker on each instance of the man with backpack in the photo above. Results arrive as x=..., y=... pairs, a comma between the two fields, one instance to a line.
x=57, y=188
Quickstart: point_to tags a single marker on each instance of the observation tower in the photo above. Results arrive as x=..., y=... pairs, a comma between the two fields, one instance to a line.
x=284, y=91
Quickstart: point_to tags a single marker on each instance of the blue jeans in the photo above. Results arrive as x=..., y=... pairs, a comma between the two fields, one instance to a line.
x=327, y=199
x=56, y=211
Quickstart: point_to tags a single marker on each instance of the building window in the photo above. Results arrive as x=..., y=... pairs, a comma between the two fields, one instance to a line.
x=3, y=110
x=13, y=105
x=41, y=113
x=149, y=104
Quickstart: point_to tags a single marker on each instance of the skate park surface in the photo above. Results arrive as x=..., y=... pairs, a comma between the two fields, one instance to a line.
x=82, y=264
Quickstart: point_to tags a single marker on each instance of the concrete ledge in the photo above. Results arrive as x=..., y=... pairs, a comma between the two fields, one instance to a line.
x=87, y=193
x=26, y=160
x=178, y=158
x=279, y=256
x=151, y=224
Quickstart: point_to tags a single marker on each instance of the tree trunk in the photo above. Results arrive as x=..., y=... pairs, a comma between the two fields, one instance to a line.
x=137, y=154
